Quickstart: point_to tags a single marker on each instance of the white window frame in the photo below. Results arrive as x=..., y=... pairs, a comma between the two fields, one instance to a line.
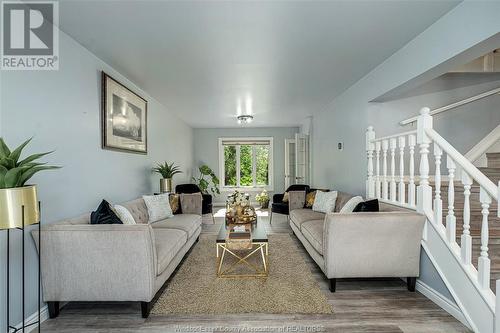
x=223, y=187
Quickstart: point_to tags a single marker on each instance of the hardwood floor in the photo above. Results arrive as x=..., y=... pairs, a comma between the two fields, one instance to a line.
x=359, y=306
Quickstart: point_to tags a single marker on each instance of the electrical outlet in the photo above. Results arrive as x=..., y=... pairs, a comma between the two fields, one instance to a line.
x=340, y=146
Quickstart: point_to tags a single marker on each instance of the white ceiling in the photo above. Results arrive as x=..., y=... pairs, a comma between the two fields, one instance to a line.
x=290, y=58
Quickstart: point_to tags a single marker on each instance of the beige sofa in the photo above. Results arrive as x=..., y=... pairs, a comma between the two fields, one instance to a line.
x=115, y=262
x=357, y=245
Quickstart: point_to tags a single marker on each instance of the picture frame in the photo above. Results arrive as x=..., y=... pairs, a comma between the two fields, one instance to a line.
x=123, y=118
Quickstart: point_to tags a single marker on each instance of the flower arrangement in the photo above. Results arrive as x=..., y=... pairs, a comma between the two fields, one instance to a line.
x=238, y=199
x=263, y=199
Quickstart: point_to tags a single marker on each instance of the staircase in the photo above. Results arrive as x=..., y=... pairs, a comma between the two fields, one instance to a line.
x=463, y=242
x=492, y=171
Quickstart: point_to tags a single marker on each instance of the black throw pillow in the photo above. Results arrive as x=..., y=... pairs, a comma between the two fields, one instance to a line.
x=104, y=215
x=367, y=206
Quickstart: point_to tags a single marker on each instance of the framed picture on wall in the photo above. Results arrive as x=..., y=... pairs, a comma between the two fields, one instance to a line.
x=124, y=118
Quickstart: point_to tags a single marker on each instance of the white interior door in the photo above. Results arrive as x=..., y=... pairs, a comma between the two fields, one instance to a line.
x=289, y=162
x=301, y=159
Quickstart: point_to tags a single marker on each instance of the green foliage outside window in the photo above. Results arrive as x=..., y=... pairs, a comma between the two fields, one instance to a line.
x=246, y=160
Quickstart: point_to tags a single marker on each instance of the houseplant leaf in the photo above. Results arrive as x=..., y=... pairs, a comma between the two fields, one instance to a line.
x=12, y=176
x=14, y=155
x=27, y=174
x=4, y=150
x=33, y=157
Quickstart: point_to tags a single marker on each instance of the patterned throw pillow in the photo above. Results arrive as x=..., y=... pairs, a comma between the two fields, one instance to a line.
x=310, y=199
x=324, y=202
x=158, y=207
x=285, y=197
x=124, y=214
x=174, y=200
x=351, y=204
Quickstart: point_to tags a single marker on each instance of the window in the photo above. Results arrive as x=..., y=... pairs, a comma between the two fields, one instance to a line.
x=246, y=162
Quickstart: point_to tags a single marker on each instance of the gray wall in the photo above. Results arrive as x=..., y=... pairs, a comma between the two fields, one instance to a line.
x=61, y=110
x=425, y=57
x=206, y=149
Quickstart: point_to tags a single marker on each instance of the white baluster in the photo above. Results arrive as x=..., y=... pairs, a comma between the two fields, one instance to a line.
x=385, y=184
x=370, y=182
x=393, y=145
x=377, y=177
x=402, y=186
x=412, y=140
x=438, y=203
x=451, y=225
x=466, y=239
x=424, y=191
x=483, y=267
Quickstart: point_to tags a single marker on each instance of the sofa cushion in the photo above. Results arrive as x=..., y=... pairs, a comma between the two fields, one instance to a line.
x=342, y=199
x=367, y=206
x=301, y=215
x=168, y=242
x=280, y=208
x=185, y=222
x=138, y=210
x=313, y=232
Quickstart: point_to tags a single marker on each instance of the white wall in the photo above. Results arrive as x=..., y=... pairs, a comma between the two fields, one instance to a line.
x=61, y=110
x=206, y=149
x=466, y=27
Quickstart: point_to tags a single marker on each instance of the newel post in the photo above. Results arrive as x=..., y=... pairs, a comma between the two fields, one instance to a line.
x=424, y=190
x=370, y=147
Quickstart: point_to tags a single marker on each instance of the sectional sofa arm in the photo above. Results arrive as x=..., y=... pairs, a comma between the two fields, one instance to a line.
x=191, y=203
x=383, y=244
x=98, y=262
x=296, y=199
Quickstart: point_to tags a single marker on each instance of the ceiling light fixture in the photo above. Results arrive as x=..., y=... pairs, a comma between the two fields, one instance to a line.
x=244, y=119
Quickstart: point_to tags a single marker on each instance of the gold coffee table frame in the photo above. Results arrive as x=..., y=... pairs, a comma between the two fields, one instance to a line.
x=259, y=272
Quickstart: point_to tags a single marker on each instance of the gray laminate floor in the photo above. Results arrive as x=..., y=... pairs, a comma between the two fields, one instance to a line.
x=359, y=305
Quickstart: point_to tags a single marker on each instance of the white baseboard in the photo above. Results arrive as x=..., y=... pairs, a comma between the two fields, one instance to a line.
x=442, y=302
x=44, y=315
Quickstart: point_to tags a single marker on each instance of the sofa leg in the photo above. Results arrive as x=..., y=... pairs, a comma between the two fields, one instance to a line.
x=333, y=285
x=53, y=309
x=271, y=218
x=197, y=239
x=145, y=309
x=411, y=282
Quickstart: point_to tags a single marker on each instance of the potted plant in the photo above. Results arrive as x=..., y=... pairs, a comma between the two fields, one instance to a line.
x=263, y=199
x=14, y=193
x=207, y=181
x=167, y=171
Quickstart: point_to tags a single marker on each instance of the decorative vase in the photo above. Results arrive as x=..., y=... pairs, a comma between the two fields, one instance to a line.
x=165, y=185
x=264, y=205
x=11, y=202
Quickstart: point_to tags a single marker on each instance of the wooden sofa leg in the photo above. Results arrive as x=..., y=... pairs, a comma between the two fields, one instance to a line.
x=333, y=285
x=197, y=239
x=411, y=282
x=146, y=309
x=53, y=309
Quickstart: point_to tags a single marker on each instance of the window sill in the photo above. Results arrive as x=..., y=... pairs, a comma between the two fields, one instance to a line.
x=246, y=188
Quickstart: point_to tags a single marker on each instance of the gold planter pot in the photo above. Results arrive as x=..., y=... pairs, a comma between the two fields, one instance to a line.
x=11, y=202
x=165, y=185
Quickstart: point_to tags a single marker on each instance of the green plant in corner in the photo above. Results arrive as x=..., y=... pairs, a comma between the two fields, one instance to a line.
x=207, y=181
x=15, y=172
x=166, y=170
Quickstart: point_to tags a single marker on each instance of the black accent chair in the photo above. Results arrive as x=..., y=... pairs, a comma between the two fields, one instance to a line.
x=280, y=207
x=206, y=203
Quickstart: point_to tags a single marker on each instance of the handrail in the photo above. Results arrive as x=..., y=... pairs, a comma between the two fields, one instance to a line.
x=453, y=105
x=464, y=163
x=394, y=136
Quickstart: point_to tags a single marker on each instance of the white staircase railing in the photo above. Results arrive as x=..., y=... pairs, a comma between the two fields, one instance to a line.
x=472, y=289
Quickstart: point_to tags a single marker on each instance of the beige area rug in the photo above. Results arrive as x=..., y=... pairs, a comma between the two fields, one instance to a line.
x=290, y=287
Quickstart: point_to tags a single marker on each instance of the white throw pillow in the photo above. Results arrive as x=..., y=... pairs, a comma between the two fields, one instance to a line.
x=158, y=207
x=351, y=204
x=124, y=214
x=324, y=202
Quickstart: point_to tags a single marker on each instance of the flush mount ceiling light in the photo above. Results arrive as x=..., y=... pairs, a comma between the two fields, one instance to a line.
x=245, y=119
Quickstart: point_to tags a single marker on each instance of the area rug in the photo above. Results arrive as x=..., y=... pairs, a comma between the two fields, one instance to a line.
x=290, y=287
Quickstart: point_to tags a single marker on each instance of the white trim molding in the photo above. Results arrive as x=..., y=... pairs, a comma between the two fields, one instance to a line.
x=480, y=149
x=44, y=315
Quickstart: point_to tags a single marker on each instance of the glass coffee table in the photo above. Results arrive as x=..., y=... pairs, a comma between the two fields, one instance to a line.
x=248, y=263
